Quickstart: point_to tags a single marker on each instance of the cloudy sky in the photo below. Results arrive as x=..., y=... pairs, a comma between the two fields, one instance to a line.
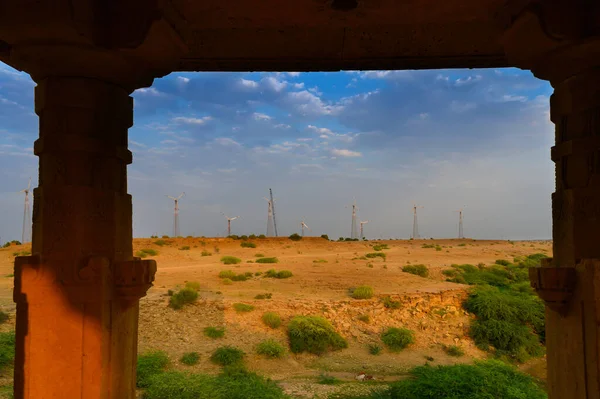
x=446, y=139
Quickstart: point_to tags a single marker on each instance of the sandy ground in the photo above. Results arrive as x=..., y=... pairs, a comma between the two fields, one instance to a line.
x=323, y=272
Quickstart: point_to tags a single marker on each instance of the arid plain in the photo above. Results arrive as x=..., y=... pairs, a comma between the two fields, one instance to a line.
x=324, y=273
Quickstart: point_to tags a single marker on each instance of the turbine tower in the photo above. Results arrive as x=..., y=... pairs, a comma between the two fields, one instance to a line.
x=270, y=220
x=176, y=214
x=229, y=222
x=273, y=209
x=354, y=230
x=460, y=223
x=415, y=233
x=304, y=225
x=361, y=228
x=25, y=233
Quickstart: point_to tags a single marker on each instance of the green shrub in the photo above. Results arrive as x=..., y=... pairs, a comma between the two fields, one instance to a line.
x=3, y=317
x=183, y=297
x=389, y=303
x=185, y=248
x=7, y=349
x=313, y=334
x=484, y=379
x=380, y=247
x=267, y=260
x=190, y=358
x=428, y=246
x=502, y=262
x=206, y=253
x=252, y=236
x=232, y=276
x=362, y=292
x=295, y=237
x=193, y=285
x=365, y=318
x=319, y=261
x=510, y=321
x=227, y=355
x=272, y=273
x=462, y=245
x=243, y=307
x=419, y=270
x=234, y=383
x=374, y=349
x=376, y=254
x=270, y=348
x=243, y=237
x=259, y=255
x=325, y=237
x=230, y=260
x=214, y=332
x=149, y=365
x=247, y=244
x=397, y=339
x=449, y=272
x=165, y=236
x=262, y=236
x=454, y=350
x=143, y=253
x=227, y=281
x=327, y=379
x=271, y=319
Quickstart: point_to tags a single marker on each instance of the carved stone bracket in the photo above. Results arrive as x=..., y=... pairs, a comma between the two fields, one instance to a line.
x=554, y=285
x=133, y=278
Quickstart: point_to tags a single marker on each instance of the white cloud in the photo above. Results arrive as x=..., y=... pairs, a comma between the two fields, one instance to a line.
x=226, y=170
x=248, y=83
x=192, y=121
x=274, y=84
x=183, y=79
x=294, y=74
x=345, y=153
x=227, y=142
x=261, y=117
x=320, y=130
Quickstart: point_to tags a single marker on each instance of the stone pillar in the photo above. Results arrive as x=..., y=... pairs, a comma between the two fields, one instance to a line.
x=77, y=295
x=559, y=41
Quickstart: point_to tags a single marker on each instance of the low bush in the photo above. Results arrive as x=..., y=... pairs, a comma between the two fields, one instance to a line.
x=502, y=262
x=397, y=339
x=428, y=246
x=270, y=348
x=262, y=236
x=7, y=349
x=259, y=255
x=190, y=358
x=272, y=273
x=228, y=274
x=365, y=318
x=271, y=319
x=252, y=236
x=389, y=303
x=362, y=292
x=313, y=334
x=295, y=237
x=227, y=355
x=149, y=365
x=193, y=285
x=374, y=349
x=327, y=379
x=380, y=247
x=484, y=379
x=183, y=297
x=227, y=281
x=325, y=237
x=454, y=350
x=185, y=248
x=243, y=307
x=376, y=254
x=267, y=260
x=230, y=260
x=233, y=383
x=143, y=253
x=319, y=261
x=214, y=332
x=3, y=317
x=206, y=253
x=419, y=270
x=243, y=237
x=247, y=244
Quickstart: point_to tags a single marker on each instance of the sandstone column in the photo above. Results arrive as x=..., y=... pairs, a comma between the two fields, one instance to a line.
x=77, y=296
x=559, y=41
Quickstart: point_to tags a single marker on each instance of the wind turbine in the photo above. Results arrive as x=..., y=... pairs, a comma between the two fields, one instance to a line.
x=304, y=225
x=361, y=228
x=415, y=234
x=26, y=214
x=353, y=231
x=270, y=218
x=460, y=223
x=229, y=222
x=176, y=214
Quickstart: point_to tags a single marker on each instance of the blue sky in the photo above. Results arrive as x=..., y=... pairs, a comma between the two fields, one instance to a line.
x=446, y=139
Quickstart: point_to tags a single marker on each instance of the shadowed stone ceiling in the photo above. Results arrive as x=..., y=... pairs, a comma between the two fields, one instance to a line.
x=338, y=34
